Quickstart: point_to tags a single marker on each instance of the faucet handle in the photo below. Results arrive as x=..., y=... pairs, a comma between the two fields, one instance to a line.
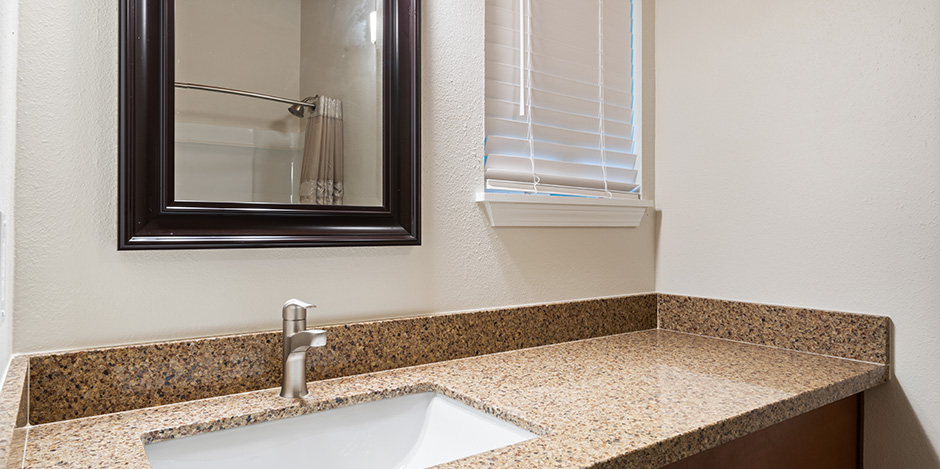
x=296, y=310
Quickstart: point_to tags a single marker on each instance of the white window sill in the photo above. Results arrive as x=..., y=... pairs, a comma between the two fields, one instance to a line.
x=543, y=210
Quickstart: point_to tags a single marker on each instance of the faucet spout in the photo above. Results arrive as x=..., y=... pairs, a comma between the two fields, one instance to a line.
x=297, y=339
x=301, y=341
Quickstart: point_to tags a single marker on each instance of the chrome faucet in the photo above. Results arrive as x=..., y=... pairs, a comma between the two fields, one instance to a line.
x=297, y=339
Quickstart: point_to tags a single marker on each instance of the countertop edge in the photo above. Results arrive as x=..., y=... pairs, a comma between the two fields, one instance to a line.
x=12, y=412
x=688, y=444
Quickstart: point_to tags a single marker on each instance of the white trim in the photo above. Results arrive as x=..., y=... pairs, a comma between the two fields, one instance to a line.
x=547, y=210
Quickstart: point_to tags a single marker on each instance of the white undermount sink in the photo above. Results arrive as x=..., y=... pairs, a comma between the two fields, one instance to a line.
x=407, y=432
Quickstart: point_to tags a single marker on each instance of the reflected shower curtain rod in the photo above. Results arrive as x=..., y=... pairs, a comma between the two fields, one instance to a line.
x=250, y=94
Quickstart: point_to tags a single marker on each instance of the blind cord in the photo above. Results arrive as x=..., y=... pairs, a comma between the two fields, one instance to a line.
x=522, y=56
x=600, y=93
x=530, y=133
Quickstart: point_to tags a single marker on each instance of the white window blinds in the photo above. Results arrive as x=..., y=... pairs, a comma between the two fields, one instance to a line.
x=559, y=116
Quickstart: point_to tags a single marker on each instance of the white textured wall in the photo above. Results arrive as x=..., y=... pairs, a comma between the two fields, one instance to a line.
x=8, y=41
x=74, y=289
x=798, y=163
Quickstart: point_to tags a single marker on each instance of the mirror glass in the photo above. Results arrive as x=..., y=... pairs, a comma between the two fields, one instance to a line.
x=278, y=101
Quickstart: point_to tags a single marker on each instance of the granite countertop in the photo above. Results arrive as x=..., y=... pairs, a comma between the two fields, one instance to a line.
x=640, y=399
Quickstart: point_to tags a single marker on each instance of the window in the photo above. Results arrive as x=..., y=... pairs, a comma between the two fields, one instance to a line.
x=560, y=113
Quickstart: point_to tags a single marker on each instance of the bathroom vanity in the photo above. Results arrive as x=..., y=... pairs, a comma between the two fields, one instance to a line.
x=644, y=398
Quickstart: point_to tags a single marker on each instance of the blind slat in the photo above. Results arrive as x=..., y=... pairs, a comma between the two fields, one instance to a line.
x=568, y=104
x=595, y=182
x=499, y=109
x=504, y=67
x=569, y=62
x=548, y=150
x=556, y=135
x=506, y=110
x=545, y=188
x=625, y=161
x=558, y=168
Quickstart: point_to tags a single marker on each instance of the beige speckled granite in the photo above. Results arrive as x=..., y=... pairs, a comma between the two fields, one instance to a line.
x=16, y=449
x=856, y=336
x=641, y=399
x=94, y=382
x=631, y=400
x=13, y=412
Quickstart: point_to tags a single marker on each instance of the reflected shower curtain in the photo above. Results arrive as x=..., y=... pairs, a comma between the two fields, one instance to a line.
x=321, y=175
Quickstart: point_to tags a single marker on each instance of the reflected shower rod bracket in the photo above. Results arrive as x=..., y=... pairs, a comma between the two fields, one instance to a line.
x=296, y=108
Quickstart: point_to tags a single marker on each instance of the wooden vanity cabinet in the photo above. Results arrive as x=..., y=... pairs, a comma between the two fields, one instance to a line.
x=826, y=438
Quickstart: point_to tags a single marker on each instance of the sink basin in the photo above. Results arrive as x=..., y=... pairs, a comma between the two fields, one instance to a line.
x=407, y=432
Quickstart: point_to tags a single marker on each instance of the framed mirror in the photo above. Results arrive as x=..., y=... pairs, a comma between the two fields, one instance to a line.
x=259, y=123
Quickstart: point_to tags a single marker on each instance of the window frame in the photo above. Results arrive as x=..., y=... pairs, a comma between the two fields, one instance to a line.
x=542, y=210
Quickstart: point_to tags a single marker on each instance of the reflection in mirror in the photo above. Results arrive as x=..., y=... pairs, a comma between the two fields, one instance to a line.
x=278, y=101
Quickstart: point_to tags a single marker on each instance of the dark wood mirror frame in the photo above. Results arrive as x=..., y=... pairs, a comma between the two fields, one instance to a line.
x=149, y=217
